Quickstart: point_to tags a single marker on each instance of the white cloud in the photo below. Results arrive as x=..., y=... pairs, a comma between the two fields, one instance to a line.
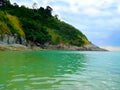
x=27, y=3
x=87, y=7
x=94, y=17
x=75, y=5
x=118, y=9
x=35, y=1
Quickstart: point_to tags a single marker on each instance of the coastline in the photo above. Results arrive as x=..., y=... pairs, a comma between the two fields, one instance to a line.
x=19, y=47
x=13, y=47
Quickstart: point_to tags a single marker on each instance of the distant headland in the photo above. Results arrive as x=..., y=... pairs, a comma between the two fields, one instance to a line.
x=22, y=28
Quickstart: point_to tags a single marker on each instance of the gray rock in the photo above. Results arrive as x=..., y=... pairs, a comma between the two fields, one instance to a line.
x=23, y=41
x=7, y=39
x=92, y=47
x=89, y=47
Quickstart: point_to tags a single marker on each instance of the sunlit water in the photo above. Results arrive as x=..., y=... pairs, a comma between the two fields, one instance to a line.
x=59, y=70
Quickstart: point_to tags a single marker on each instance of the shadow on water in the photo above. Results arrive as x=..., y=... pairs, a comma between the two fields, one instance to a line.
x=38, y=69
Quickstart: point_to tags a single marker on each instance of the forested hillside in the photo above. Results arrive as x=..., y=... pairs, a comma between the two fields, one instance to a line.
x=38, y=25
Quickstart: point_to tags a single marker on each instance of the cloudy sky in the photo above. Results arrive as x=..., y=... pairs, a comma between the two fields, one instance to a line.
x=99, y=20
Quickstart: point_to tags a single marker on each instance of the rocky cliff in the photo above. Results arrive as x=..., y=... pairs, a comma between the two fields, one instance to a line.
x=8, y=39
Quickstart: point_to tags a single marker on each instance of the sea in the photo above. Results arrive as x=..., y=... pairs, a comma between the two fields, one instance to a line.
x=59, y=70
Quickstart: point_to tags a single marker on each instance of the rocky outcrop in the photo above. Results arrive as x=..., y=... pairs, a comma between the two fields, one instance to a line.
x=7, y=39
x=10, y=41
x=88, y=47
x=91, y=47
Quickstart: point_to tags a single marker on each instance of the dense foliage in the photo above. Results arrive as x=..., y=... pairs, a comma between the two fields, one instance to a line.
x=39, y=25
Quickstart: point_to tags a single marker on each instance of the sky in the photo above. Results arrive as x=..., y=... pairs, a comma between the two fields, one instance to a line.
x=99, y=20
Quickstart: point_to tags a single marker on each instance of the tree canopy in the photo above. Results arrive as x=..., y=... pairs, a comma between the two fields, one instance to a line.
x=40, y=26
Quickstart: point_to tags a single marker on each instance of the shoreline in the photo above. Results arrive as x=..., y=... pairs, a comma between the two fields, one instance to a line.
x=13, y=47
x=19, y=47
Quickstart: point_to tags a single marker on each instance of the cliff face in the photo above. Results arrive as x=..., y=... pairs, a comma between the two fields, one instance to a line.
x=10, y=30
x=7, y=39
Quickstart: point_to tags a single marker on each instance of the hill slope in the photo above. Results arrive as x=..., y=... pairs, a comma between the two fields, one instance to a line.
x=38, y=26
x=10, y=24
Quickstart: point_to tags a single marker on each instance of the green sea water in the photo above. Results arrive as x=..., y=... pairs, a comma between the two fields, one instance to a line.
x=59, y=70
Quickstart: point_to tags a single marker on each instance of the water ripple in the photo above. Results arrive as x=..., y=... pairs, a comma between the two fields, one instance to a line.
x=60, y=70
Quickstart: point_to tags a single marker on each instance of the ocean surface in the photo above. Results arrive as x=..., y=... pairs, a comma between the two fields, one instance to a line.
x=59, y=70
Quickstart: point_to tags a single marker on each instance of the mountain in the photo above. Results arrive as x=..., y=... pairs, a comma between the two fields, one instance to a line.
x=38, y=27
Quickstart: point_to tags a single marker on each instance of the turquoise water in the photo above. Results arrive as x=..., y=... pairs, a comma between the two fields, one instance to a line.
x=59, y=70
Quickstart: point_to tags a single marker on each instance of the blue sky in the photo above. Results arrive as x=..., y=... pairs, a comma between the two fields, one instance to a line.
x=99, y=20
